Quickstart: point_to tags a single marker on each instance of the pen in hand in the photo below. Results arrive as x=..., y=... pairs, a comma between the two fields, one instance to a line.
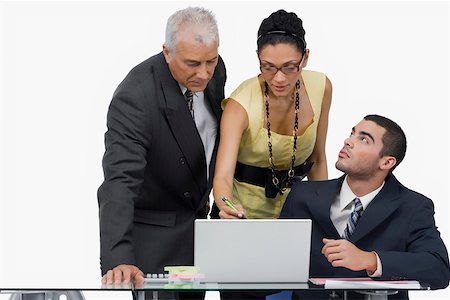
x=231, y=205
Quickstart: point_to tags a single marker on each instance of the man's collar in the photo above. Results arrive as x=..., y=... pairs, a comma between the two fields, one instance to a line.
x=346, y=195
x=184, y=89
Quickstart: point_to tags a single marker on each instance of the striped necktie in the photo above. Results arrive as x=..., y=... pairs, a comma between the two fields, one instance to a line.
x=353, y=219
x=190, y=101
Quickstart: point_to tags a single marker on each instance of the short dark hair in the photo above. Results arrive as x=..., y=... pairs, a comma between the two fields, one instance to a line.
x=282, y=27
x=394, y=139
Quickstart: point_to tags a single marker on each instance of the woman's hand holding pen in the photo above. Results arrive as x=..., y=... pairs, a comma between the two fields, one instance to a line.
x=229, y=210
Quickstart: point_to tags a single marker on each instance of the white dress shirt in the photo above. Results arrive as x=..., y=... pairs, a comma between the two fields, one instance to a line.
x=206, y=124
x=343, y=206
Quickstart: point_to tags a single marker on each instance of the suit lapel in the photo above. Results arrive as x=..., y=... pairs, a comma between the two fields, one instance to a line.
x=320, y=206
x=379, y=209
x=211, y=95
x=182, y=125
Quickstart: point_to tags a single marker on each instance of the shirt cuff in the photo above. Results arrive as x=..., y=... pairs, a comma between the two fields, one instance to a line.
x=379, y=271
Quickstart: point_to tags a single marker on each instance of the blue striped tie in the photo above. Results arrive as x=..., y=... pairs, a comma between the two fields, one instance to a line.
x=353, y=219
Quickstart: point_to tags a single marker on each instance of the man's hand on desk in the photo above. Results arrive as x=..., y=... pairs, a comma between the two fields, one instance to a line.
x=342, y=253
x=123, y=274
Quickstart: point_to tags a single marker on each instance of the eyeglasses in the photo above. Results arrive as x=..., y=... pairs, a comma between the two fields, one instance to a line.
x=286, y=70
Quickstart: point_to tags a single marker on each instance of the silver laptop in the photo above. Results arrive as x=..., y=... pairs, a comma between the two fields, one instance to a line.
x=253, y=250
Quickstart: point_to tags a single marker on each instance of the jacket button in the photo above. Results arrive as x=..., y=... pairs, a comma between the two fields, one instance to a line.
x=182, y=161
x=187, y=195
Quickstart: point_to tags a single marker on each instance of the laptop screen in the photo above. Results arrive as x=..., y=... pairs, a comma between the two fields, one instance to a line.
x=253, y=250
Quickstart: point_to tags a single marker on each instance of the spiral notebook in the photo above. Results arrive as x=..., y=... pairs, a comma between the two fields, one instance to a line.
x=265, y=251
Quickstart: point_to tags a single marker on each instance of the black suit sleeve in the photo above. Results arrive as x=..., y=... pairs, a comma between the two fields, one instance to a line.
x=124, y=162
x=221, y=75
x=425, y=258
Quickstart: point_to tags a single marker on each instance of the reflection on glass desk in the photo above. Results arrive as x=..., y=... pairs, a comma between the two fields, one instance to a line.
x=215, y=286
x=372, y=294
x=74, y=292
x=55, y=291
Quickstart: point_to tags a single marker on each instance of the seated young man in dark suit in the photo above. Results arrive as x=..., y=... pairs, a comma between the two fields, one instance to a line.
x=366, y=223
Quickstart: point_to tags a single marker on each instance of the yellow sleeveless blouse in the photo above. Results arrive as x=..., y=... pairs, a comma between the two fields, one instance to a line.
x=253, y=149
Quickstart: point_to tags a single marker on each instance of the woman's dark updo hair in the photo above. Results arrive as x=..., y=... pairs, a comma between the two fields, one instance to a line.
x=282, y=27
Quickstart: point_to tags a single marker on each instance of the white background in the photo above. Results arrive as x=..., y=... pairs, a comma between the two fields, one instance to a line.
x=61, y=62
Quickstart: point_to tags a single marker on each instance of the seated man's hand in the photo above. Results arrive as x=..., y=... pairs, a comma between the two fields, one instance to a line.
x=123, y=274
x=342, y=253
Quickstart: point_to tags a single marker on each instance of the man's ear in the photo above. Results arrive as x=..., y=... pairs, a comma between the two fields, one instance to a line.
x=388, y=162
x=166, y=53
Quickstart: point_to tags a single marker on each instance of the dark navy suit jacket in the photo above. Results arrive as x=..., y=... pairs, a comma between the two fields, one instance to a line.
x=398, y=225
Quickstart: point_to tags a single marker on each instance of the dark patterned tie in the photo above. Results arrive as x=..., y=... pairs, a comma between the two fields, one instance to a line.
x=353, y=219
x=190, y=101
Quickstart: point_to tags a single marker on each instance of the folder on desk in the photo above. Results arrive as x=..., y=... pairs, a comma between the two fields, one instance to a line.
x=365, y=283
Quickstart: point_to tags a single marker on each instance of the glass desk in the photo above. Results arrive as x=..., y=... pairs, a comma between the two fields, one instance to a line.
x=54, y=289
x=74, y=292
x=372, y=294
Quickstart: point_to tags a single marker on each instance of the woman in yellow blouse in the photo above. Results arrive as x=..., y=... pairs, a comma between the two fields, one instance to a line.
x=274, y=125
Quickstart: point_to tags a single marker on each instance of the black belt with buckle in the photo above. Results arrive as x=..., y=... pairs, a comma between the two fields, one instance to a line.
x=263, y=177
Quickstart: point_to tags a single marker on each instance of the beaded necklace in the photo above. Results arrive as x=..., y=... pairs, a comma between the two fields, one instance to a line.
x=281, y=187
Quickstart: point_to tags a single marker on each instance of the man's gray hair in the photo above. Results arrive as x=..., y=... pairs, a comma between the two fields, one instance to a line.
x=199, y=17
